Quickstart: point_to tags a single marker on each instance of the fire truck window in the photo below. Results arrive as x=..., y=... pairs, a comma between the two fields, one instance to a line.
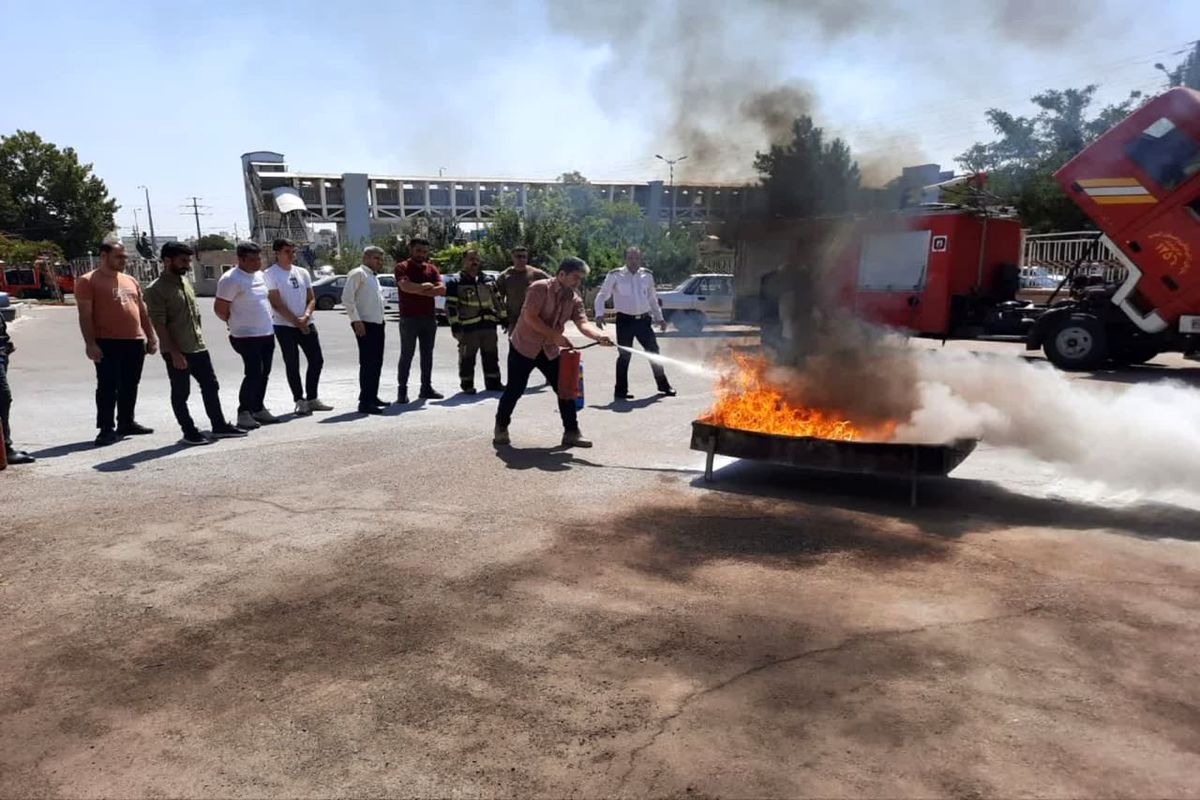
x=893, y=262
x=1167, y=154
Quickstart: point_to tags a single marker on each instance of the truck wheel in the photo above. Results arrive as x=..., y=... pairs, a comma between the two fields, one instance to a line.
x=690, y=322
x=1077, y=343
x=325, y=302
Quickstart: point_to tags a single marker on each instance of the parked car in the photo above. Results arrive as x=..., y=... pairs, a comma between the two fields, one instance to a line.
x=328, y=291
x=697, y=301
x=387, y=287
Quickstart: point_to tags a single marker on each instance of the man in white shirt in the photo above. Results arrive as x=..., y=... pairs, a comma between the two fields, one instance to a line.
x=243, y=305
x=364, y=306
x=632, y=291
x=289, y=289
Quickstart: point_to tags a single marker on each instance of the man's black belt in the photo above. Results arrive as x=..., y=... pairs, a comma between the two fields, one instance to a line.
x=621, y=315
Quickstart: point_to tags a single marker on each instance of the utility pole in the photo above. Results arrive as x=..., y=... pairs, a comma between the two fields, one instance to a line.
x=150, y=215
x=671, y=162
x=194, y=210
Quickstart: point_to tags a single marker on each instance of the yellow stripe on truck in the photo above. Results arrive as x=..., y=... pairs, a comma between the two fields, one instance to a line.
x=1089, y=183
x=1125, y=199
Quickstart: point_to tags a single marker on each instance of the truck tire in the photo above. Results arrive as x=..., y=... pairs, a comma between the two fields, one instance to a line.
x=1077, y=342
x=325, y=302
x=690, y=322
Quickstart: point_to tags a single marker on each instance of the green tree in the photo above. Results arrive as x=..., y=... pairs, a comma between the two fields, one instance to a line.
x=213, y=241
x=21, y=251
x=1022, y=161
x=46, y=193
x=1187, y=72
x=808, y=176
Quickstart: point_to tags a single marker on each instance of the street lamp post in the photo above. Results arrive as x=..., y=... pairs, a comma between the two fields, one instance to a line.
x=150, y=216
x=671, y=162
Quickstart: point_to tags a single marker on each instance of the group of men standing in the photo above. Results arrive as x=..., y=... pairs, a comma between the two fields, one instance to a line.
x=121, y=325
x=532, y=307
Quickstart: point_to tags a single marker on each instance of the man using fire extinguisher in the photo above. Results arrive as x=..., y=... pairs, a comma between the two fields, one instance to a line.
x=537, y=341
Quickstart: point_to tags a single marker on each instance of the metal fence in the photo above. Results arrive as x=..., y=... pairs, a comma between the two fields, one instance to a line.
x=144, y=269
x=1058, y=252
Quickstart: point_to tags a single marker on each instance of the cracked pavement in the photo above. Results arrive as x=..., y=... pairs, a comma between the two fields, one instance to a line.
x=388, y=607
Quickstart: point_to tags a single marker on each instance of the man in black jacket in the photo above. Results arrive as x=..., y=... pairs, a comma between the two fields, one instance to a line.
x=474, y=308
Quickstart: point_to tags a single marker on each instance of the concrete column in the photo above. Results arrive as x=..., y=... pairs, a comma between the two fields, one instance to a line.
x=654, y=204
x=357, y=208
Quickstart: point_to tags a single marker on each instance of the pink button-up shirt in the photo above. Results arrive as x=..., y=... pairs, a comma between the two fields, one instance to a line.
x=555, y=305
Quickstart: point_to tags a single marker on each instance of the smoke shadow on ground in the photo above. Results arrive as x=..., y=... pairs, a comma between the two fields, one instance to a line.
x=672, y=543
x=125, y=463
x=601, y=663
x=952, y=507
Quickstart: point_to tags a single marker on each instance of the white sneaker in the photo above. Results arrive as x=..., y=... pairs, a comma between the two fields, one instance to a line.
x=246, y=421
x=303, y=408
x=317, y=405
x=265, y=417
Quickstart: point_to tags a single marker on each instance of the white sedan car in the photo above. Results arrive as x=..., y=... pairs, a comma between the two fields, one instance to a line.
x=697, y=301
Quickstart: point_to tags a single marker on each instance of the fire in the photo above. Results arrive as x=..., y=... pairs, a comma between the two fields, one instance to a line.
x=748, y=400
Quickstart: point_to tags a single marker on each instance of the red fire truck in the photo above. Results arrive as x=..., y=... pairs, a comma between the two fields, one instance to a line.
x=1140, y=184
x=954, y=271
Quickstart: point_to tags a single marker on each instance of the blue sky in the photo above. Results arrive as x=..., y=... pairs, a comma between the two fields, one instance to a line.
x=170, y=94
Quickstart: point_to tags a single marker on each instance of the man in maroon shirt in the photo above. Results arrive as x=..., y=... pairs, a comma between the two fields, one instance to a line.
x=419, y=282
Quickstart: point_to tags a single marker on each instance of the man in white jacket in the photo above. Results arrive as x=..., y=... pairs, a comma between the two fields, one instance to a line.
x=364, y=306
x=631, y=288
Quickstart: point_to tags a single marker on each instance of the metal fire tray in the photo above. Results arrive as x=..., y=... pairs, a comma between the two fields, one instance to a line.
x=909, y=461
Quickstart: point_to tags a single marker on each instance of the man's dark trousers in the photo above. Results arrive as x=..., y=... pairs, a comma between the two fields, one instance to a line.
x=519, y=369
x=5, y=399
x=199, y=366
x=640, y=328
x=414, y=331
x=118, y=374
x=291, y=342
x=257, y=353
x=370, y=362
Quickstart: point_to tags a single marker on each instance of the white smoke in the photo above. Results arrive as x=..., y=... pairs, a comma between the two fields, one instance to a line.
x=1145, y=436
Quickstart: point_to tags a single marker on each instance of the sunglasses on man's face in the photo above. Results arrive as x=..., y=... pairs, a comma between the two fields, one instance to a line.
x=520, y=256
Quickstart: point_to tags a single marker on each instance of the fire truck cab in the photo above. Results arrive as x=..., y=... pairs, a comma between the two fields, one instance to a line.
x=1140, y=184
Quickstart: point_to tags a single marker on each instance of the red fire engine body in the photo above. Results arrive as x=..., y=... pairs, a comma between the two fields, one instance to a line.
x=955, y=271
x=1140, y=184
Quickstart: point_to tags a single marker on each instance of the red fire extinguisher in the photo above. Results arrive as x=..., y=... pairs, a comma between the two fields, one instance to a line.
x=570, y=374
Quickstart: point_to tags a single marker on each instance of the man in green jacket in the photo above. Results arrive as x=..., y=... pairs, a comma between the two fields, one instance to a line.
x=171, y=302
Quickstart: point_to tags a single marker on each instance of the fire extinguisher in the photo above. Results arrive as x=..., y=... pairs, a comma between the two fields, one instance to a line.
x=570, y=374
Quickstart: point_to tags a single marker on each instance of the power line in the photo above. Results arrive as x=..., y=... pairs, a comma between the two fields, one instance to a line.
x=194, y=210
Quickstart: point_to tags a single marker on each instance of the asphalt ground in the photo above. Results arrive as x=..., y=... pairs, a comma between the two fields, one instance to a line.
x=389, y=606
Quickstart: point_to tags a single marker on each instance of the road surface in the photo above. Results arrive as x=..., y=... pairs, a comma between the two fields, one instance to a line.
x=389, y=606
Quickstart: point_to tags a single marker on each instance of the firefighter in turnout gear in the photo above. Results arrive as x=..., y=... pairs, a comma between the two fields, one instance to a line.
x=474, y=308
